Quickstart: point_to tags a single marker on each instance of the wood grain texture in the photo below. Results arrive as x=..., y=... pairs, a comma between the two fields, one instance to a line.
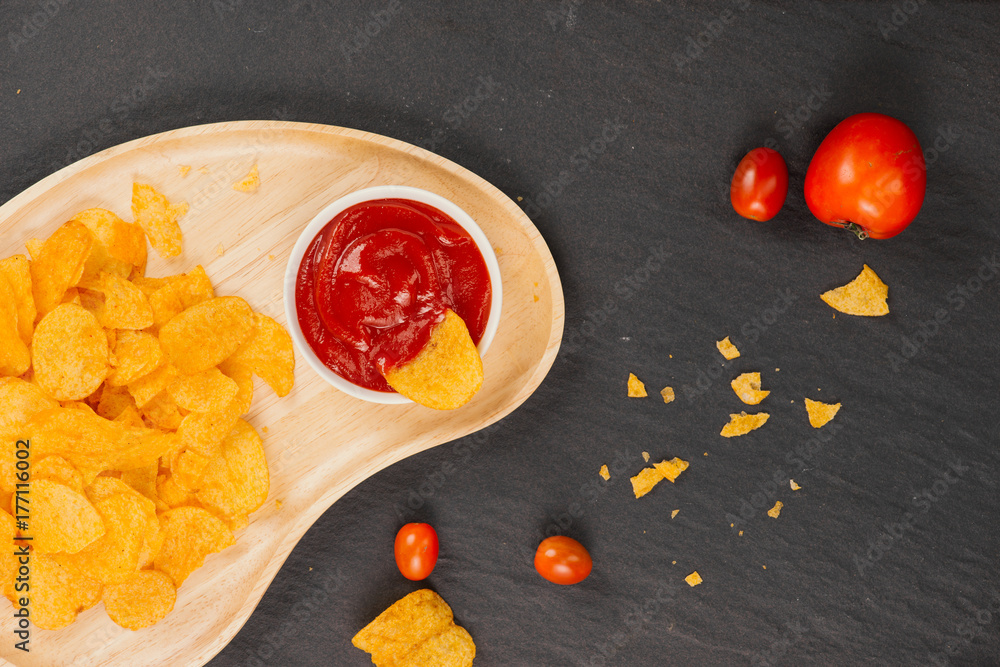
x=319, y=442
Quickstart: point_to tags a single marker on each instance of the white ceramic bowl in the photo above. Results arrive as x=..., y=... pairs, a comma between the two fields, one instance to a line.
x=329, y=213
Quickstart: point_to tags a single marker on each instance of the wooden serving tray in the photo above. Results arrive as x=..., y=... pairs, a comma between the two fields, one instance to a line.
x=319, y=442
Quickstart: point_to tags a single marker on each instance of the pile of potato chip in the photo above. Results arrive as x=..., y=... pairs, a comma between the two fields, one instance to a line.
x=130, y=390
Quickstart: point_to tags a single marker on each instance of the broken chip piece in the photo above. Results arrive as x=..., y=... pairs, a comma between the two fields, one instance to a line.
x=446, y=373
x=250, y=182
x=693, y=579
x=674, y=513
x=821, y=413
x=747, y=387
x=776, y=510
x=636, y=389
x=672, y=468
x=645, y=457
x=795, y=487
x=668, y=394
x=419, y=629
x=865, y=295
x=158, y=218
x=743, y=423
x=647, y=478
x=604, y=472
x=727, y=349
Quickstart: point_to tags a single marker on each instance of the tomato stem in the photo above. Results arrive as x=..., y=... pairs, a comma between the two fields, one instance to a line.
x=852, y=227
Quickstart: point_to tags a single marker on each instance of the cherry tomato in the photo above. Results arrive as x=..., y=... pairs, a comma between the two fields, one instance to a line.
x=562, y=560
x=416, y=550
x=759, y=185
x=868, y=176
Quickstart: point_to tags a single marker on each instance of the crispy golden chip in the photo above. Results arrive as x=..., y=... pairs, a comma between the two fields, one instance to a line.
x=250, y=182
x=135, y=355
x=206, y=333
x=865, y=295
x=446, y=373
x=57, y=594
x=727, y=349
x=795, y=487
x=672, y=468
x=113, y=557
x=21, y=401
x=163, y=412
x=18, y=273
x=187, y=468
x=143, y=480
x=141, y=600
x=605, y=473
x=184, y=169
x=125, y=306
x=776, y=510
x=636, y=388
x=171, y=493
x=207, y=391
x=150, y=385
x=114, y=402
x=269, y=354
x=668, y=394
x=693, y=579
x=243, y=377
x=644, y=482
x=189, y=535
x=747, y=387
x=236, y=481
x=120, y=240
x=821, y=413
x=170, y=297
x=34, y=247
x=59, y=470
x=59, y=265
x=674, y=513
x=70, y=353
x=14, y=355
x=158, y=218
x=61, y=519
x=743, y=423
x=417, y=630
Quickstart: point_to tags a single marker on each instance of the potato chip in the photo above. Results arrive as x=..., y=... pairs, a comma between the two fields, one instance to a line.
x=125, y=306
x=57, y=594
x=21, y=401
x=158, y=218
x=743, y=423
x=668, y=394
x=636, y=389
x=793, y=485
x=821, y=413
x=727, y=349
x=187, y=468
x=150, y=385
x=237, y=523
x=605, y=473
x=865, y=295
x=243, y=377
x=18, y=273
x=59, y=265
x=122, y=241
x=59, y=470
x=114, y=401
x=446, y=373
x=203, y=432
x=61, y=519
x=250, y=182
x=113, y=557
x=671, y=469
x=14, y=355
x=142, y=480
x=207, y=391
x=417, y=630
x=236, y=481
x=644, y=482
x=135, y=355
x=269, y=354
x=674, y=513
x=189, y=535
x=176, y=294
x=70, y=353
x=693, y=579
x=163, y=412
x=206, y=333
x=776, y=510
x=34, y=247
x=747, y=387
x=171, y=493
x=143, y=599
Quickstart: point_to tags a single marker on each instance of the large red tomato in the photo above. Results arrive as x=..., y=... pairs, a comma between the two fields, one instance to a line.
x=868, y=176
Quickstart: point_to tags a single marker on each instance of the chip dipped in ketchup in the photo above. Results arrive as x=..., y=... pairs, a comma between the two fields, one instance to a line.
x=377, y=279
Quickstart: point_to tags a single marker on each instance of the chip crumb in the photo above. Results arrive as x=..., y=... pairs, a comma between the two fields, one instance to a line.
x=673, y=562
x=864, y=296
x=310, y=569
x=536, y=297
x=705, y=454
x=671, y=356
x=727, y=349
x=520, y=198
x=693, y=579
x=203, y=170
x=743, y=423
x=776, y=370
x=674, y=513
x=270, y=257
x=747, y=387
x=644, y=482
x=277, y=504
x=741, y=533
x=776, y=510
x=821, y=413
x=249, y=183
x=220, y=250
x=604, y=472
x=645, y=456
x=795, y=487
x=764, y=566
x=668, y=394
x=671, y=469
x=185, y=169
x=636, y=389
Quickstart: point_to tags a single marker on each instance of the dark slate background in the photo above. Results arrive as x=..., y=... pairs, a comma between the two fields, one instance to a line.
x=876, y=560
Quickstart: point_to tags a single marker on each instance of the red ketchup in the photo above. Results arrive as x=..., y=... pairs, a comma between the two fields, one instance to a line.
x=378, y=278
